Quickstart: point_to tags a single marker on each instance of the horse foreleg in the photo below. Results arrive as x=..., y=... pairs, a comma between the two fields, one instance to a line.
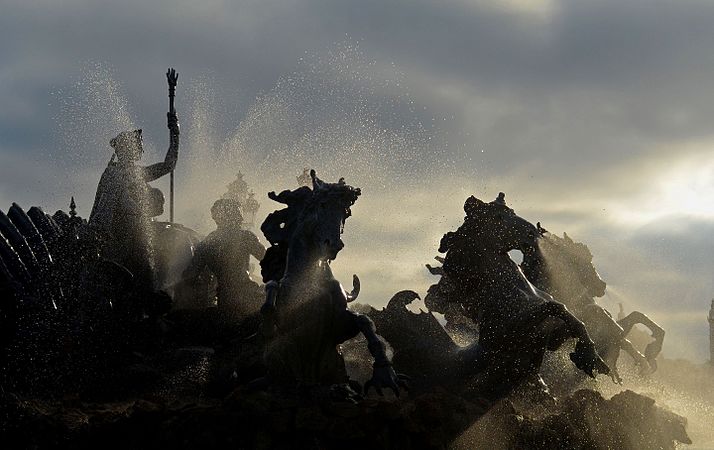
x=653, y=348
x=383, y=375
x=585, y=356
x=639, y=358
x=376, y=346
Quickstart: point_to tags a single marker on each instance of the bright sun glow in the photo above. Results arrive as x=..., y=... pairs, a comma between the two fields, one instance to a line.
x=533, y=7
x=686, y=190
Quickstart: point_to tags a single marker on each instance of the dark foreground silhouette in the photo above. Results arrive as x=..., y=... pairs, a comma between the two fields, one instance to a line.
x=93, y=359
x=284, y=420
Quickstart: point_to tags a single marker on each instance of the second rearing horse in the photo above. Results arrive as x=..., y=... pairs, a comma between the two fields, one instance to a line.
x=517, y=322
x=564, y=269
x=305, y=312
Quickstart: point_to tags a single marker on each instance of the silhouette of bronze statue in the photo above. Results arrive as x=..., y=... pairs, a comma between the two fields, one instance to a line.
x=226, y=254
x=516, y=321
x=305, y=311
x=564, y=269
x=124, y=202
x=79, y=306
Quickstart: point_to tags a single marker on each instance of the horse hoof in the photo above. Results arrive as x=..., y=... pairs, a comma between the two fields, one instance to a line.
x=589, y=362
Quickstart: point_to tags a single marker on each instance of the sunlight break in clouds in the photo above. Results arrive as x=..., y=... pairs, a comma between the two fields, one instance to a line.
x=682, y=188
x=540, y=8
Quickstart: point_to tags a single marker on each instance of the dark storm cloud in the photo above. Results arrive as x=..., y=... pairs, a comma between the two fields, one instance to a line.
x=622, y=74
x=589, y=83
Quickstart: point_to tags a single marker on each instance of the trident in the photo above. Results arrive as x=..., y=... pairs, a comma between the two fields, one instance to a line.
x=172, y=78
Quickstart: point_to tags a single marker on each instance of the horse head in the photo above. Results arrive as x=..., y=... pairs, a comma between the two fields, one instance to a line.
x=571, y=262
x=326, y=214
x=497, y=225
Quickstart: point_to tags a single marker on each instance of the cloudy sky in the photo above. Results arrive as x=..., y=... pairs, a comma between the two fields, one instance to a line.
x=593, y=116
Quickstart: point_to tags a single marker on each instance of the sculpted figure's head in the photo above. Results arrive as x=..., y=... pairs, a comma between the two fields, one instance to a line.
x=155, y=202
x=128, y=146
x=226, y=213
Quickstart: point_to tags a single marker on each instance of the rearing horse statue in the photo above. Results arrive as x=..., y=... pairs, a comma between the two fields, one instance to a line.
x=517, y=322
x=305, y=312
x=564, y=269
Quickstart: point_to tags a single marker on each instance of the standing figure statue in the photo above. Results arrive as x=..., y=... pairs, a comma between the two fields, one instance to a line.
x=125, y=203
x=226, y=253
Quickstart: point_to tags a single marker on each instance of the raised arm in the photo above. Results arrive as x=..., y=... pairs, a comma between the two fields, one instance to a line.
x=158, y=170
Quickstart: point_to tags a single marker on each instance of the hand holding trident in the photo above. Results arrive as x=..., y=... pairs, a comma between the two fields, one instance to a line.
x=172, y=79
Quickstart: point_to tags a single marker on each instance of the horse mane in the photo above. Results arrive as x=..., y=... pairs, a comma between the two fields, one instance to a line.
x=576, y=250
x=553, y=251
